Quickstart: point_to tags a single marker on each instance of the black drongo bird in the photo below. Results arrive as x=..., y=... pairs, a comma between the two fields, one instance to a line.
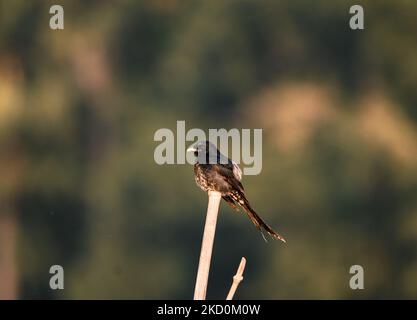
x=215, y=172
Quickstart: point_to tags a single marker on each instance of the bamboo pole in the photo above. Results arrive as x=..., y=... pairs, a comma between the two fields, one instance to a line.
x=214, y=199
x=238, y=277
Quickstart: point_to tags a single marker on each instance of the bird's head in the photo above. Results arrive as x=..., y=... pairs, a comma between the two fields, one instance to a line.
x=207, y=153
x=202, y=148
x=204, y=151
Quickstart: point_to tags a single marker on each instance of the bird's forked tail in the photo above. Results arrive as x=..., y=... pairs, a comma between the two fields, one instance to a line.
x=258, y=222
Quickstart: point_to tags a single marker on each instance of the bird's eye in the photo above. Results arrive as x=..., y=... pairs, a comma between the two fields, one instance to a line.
x=196, y=153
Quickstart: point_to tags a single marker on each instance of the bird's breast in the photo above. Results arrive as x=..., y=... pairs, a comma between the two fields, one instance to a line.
x=201, y=177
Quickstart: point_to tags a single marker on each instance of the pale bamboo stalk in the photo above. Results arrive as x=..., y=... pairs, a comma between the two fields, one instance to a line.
x=238, y=277
x=214, y=199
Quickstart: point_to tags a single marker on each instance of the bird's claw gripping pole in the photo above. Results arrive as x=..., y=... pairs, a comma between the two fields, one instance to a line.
x=214, y=199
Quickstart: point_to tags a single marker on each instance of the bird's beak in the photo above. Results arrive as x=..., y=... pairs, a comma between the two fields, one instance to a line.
x=191, y=149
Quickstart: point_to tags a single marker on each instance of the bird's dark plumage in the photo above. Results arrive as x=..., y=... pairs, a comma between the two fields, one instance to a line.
x=215, y=172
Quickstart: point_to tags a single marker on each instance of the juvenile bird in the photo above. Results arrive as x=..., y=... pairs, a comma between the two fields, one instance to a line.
x=215, y=172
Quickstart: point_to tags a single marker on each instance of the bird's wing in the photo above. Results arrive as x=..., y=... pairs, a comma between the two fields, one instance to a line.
x=237, y=172
x=230, y=202
x=225, y=175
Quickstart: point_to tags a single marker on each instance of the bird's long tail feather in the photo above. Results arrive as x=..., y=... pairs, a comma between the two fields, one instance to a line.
x=258, y=222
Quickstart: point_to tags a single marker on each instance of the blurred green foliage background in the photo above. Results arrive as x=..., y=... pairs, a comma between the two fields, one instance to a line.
x=79, y=107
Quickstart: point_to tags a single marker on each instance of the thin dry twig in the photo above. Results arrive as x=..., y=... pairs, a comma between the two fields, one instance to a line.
x=214, y=199
x=238, y=277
